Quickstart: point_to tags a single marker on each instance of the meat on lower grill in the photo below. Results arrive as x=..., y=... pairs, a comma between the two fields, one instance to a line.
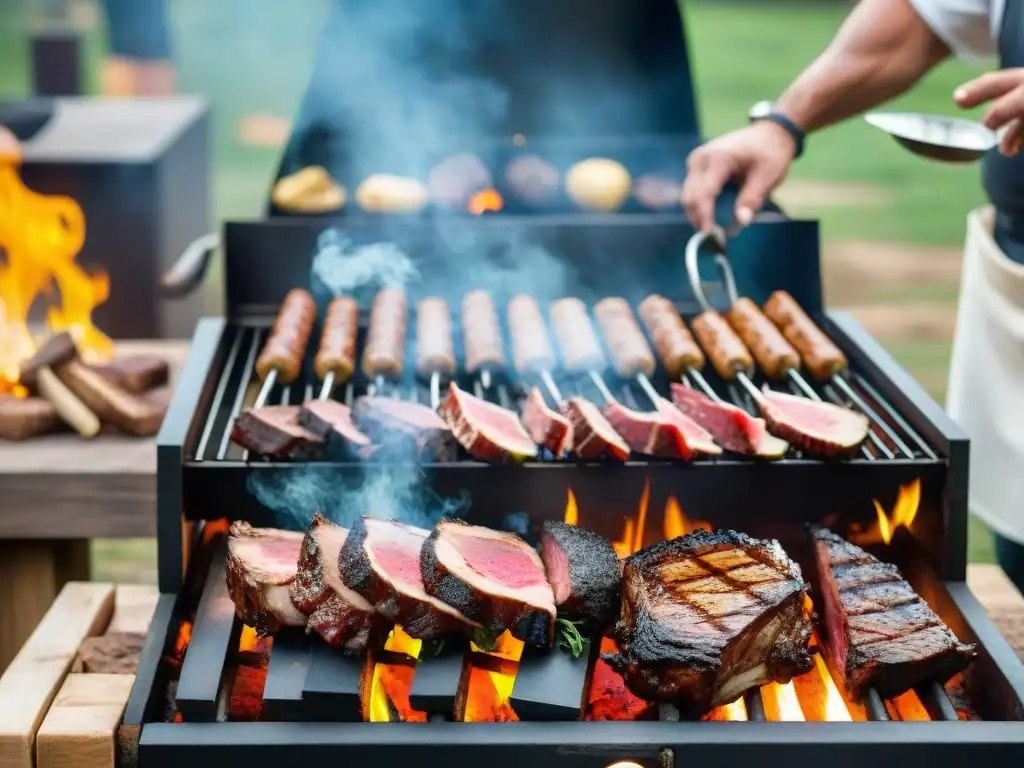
x=341, y=616
x=403, y=429
x=261, y=566
x=707, y=616
x=880, y=633
x=380, y=560
x=274, y=431
x=584, y=572
x=494, y=578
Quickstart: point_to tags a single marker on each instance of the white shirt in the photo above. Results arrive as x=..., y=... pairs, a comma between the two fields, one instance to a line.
x=969, y=27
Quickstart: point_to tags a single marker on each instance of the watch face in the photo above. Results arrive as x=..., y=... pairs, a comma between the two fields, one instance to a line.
x=761, y=109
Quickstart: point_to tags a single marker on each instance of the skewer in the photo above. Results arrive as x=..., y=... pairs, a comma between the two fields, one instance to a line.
x=285, y=348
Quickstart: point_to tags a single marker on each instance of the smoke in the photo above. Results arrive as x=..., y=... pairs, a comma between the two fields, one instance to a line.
x=343, y=268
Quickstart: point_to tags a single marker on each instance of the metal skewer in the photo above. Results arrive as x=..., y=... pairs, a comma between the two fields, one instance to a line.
x=265, y=389
x=327, y=389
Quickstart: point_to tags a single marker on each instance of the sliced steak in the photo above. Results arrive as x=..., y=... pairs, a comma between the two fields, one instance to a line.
x=487, y=431
x=341, y=616
x=261, y=566
x=380, y=560
x=329, y=419
x=545, y=426
x=880, y=633
x=592, y=436
x=647, y=432
x=274, y=431
x=732, y=428
x=395, y=425
x=822, y=429
x=136, y=373
x=584, y=573
x=495, y=578
x=698, y=438
x=707, y=616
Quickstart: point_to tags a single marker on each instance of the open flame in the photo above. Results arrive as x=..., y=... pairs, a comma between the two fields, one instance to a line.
x=390, y=683
x=908, y=500
x=40, y=236
x=486, y=200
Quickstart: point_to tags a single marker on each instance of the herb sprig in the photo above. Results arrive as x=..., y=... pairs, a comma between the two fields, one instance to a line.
x=569, y=637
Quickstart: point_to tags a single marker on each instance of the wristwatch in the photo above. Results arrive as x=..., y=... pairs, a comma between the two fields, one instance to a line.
x=765, y=110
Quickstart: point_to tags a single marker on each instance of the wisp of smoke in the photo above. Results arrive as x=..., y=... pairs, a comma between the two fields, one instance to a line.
x=343, y=268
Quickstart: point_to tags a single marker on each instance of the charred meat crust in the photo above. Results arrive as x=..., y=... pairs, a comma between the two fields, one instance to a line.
x=310, y=590
x=247, y=592
x=527, y=622
x=594, y=572
x=892, y=639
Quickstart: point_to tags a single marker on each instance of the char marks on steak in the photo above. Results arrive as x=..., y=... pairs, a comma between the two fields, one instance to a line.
x=274, y=431
x=487, y=431
x=732, y=428
x=380, y=560
x=647, y=432
x=592, y=436
x=584, y=573
x=394, y=425
x=261, y=566
x=698, y=438
x=494, y=578
x=545, y=426
x=329, y=419
x=708, y=616
x=822, y=429
x=880, y=633
x=341, y=616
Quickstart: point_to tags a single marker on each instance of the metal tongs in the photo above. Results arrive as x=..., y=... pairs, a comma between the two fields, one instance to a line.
x=937, y=137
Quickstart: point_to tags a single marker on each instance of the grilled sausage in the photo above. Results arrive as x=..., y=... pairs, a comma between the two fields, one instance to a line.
x=674, y=344
x=631, y=354
x=575, y=335
x=385, y=347
x=820, y=354
x=435, y=351
x=286, y=345
x=773, y=353
x=337, y=353
x=481, y=333
x=721, y=344
x=531, y=346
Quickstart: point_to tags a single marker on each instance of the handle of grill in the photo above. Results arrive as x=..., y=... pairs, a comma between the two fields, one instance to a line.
x=188, y=272
x=714, y=242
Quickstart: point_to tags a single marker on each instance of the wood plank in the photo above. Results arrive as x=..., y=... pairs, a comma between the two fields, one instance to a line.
x=101, y=488
x=1003, y=603
x=79, y=729
x=32, y=680
x=133, y=608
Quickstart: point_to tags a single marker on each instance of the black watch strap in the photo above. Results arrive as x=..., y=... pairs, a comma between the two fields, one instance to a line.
x=789, y=127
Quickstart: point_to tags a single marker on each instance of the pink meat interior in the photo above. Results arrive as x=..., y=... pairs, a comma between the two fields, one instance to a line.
x=835, y=617
x=275, y=556
x=556, y=565
x=396, y=549
x=600, y=424
x=501, y=560
x=717, y=418
x=698, y=438
x=811, y=416
x=496, y=421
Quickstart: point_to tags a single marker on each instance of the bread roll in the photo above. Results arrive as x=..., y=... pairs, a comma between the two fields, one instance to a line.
x=598, y=183
x=384, y=193
x=311, y=190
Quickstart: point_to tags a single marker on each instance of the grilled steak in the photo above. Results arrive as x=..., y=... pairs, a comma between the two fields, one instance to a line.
x=494, y=578
x=261, y=565
x=380, y=560
x=822, y=429
x=545, y=426
x=732, y=428
x=881, y=634
x=274, y=431
x=708, y=616
x=647, y=432
x=488, y=432
x=395, y=424
x=342, y=617
x=592, y=436
x=697, y=438
x=584, y=573
x=329, y=419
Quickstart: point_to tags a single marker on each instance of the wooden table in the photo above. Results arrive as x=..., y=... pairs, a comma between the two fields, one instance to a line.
x=59, y=491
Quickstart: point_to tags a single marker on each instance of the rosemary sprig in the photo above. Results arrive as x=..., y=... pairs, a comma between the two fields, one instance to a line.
x=485, y=640
x=569, y=637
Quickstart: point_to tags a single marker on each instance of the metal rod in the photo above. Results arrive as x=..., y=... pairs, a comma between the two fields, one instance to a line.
x=485, y=378
x=328, y=386
x=435, y=389
x=755, y=706
x=895, y=416
x=935, y=699
x=808, y=391
x=376, y=386
x=844, y=386
x=875, y=706
x=268, y=385
x=218, y=395
x=549, y=382
x=698, y=377
x=648, y=388
x=243, y=386
x=601, y=386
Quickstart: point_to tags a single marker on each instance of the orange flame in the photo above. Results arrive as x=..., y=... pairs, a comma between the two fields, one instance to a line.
x=736, y=712
x=489, y=690
x=908, y=500
x=781, y=703
x=572, y=512
x=391, y=683
x=41, y=235
x=486, y=200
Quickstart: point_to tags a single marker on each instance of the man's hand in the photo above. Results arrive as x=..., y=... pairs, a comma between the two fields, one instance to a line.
x=1005, y=89
x=758, y=156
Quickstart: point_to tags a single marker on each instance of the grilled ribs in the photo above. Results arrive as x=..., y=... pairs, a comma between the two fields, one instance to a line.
x=583, y=570
x=707, y=616
x=261, y=566
x=880, y=633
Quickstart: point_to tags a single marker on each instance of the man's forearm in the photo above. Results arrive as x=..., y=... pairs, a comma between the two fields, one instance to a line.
x=882, y=49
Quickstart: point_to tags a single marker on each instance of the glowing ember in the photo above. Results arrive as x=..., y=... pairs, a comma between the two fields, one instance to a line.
x=489, y=690
x=572, y=512
x=41, y=235
x=781, y=703
x=391, y=683
x=184, y=636
x=735, y=712
x=909, y=708
x=486, y=200
x=819, y=698
x=609, y=698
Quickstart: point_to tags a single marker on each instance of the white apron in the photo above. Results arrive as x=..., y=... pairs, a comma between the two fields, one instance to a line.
x=986, y=384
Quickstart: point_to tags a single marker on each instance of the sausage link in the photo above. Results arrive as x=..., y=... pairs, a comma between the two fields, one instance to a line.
x=385, y=346
x=481, y=332
x=773, y=353
x=575, y=336
x=531, y=346
x=435, y=350
x=721, y=344
x=626, y=343
x=674, y=344
x=337, y=353
x=820, y=354
x=286, y=345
